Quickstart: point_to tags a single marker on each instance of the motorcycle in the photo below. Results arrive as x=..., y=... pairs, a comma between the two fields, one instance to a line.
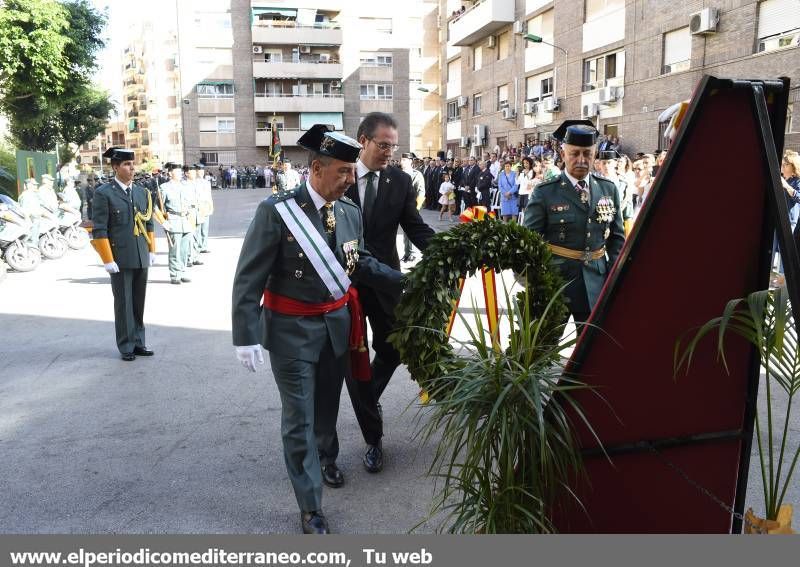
x=69, y=224
x=14, y=231
x=52, y=244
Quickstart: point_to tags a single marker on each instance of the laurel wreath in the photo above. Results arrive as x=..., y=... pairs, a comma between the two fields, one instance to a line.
x=433, y=286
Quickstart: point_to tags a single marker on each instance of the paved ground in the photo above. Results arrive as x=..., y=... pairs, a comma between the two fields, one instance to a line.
x=186, y=441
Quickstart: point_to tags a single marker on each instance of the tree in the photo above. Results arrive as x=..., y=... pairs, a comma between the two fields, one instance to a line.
x=48, y=51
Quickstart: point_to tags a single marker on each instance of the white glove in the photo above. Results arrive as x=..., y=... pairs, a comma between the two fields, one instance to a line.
x=111, y=268
x=248, y=355
x=152, y=259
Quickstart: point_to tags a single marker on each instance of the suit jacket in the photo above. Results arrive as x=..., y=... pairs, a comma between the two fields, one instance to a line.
x=555, y=211
x=113, y=213
x=271, y=258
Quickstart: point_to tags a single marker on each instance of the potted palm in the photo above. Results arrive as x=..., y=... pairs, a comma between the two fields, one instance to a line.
x=764, y=319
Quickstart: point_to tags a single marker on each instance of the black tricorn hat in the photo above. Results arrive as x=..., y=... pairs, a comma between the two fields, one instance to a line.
x=119, y=154
x=409, y=155
x=608, y=154
x=321, y=138
x=577, y=133
x=197, y=166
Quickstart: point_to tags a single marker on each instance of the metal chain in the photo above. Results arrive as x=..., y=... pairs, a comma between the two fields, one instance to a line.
x=702, y=489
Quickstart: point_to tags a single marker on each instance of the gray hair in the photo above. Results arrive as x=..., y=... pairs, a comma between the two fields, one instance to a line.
x=316, y=156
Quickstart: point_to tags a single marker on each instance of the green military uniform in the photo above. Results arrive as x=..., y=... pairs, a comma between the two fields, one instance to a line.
x=177, y=205
x=556, y=212
x=114, y=220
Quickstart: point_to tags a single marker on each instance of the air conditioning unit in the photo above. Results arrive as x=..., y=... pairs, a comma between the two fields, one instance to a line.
x=590, y=110
x=305, y=49
x=608, y=94
x=258, y=49
x=464, y=142
x=531, y=108
x=519, y=27
x=703, y=22
x=509, y=113
x=479, y=133
x=491, y=42
x=551, y=104
x=336, y=84
x=462, y=102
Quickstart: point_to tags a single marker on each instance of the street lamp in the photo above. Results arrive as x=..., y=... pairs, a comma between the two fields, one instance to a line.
x=538, y=39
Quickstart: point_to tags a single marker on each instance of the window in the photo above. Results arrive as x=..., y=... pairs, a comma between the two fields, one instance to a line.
x=267, y=124
x=376, y=92
x=226, y=125
x=174, y=139
x=542, y=25
x=477, y=58
x=596, y=9
x=215, y=90
x=219, y=124
x=453, y=111
x=598, y=71
x=454, y=71
x=677, y=50
x=218, y=158
x=503, y=45
x=273, y=56
x=476, y=104
x=378, y=25
x=778, y=24
x=172, y=102
x=502, y=97
x=546, y=87
x=375, y=59
x=539, y=86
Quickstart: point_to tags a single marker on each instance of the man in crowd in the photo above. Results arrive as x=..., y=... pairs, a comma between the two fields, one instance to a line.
x=292, y=177
x=388, y=200
x=418, y=182
x=579, y=215
x=469, y=183
x=124, y=237
x=282, y=302
x=178, y=201
x=205, y=208
x=192, y=182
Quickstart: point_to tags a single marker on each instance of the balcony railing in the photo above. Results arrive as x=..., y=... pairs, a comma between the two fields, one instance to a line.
x=291, y=24
x=314, y=95
x=480, y=20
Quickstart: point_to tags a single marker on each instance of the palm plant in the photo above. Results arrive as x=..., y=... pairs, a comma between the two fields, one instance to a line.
x=764, y=319
x=505, y=447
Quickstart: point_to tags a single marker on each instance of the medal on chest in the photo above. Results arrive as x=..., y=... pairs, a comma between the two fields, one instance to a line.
x=605, y=209
x=350, y=249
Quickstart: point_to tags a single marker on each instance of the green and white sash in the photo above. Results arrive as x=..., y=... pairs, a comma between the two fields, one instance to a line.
x=316, y=249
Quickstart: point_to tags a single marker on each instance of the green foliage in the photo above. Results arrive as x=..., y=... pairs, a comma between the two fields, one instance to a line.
x=8, y=175
x=764, y=318
x=48, y=51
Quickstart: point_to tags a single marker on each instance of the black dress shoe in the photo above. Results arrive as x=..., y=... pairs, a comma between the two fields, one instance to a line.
x=128, y=356
x=332, y=476
x=197, y=263
x=373, y=458
x=314, y=523
x=142, y=351
x=175, y=282
x=205, y=251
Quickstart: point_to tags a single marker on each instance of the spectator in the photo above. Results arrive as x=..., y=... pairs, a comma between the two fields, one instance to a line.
x=643, y=180
x=484, y=186
x=525, y=182
x=447, y=197
x=790, y=180
x=508, y=193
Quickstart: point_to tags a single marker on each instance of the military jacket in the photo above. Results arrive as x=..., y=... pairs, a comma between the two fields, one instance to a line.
x=113, y=217
x=31, y=203
x=205, y=202
x=556, y=212
x=271, y=258
x=178, y=202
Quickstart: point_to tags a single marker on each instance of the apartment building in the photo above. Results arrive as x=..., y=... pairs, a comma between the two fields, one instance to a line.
x=245, y=64
x=91, y=153
x=515, y=69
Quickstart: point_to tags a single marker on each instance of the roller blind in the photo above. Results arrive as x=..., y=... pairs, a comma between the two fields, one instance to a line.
x=677, y=46
x=777, y=16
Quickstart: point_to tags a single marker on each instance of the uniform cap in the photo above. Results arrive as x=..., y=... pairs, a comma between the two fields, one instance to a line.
x=577, y=133
x=410, y=155
x=47, y=177
x=608, y=154
x=320, y=138
x=119, y=154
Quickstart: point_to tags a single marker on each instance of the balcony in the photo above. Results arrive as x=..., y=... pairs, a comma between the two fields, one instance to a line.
x=298, y=103
x=289, y=136
x=275, y=32
x=297, y=70
x=483, y=18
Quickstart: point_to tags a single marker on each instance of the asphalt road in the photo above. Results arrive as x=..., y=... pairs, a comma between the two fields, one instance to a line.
x=187, y=441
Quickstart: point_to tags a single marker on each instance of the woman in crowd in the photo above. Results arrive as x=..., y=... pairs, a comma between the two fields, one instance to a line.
x=642, y=182
x=625, y=169
x=525, y=181
x=790, y=179
x=508, y=191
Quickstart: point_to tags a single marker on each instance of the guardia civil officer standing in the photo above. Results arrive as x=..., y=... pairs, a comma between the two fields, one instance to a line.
x=293, y=295
x=177, y=200
x=124, y=237
x=205, y=208
x=578, y=214
x=193, y=187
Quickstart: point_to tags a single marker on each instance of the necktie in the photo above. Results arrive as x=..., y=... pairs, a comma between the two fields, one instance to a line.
x=580, y=187
x=369, y=196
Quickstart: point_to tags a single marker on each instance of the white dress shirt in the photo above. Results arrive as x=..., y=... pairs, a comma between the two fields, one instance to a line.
x=361, y=172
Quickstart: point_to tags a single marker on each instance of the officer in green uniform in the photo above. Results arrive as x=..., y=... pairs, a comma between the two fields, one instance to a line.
x=298, y=256
x=124, y=237
x=578, y=214
x=177, y=206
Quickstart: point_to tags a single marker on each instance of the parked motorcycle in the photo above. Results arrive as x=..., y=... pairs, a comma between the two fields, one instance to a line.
x=14, y=231
x=52, y=244
x=69, y=224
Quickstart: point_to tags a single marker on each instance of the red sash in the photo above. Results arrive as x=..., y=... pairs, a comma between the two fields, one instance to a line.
x=359, y=355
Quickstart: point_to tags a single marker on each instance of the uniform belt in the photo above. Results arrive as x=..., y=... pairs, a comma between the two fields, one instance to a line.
x=584, y=255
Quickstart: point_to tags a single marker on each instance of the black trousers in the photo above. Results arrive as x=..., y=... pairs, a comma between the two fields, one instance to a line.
x=129, y=287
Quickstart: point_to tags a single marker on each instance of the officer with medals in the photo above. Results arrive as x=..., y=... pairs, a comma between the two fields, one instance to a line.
x=177, y=199
x=124, y=237
x=578, y=214
x=293, y=295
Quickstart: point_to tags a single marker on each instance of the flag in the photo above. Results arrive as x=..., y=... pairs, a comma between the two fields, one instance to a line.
x=275, y=151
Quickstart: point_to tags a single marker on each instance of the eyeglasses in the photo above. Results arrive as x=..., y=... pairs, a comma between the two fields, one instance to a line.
x=385, y=147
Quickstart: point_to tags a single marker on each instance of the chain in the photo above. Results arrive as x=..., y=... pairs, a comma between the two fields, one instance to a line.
x=702, y=489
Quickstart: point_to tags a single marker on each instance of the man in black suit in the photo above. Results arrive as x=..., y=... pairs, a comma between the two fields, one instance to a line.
x=388, y=201
x=469, y=183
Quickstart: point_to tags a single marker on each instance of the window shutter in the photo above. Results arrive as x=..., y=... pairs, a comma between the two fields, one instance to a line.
x=677, y=46
x=777, y=16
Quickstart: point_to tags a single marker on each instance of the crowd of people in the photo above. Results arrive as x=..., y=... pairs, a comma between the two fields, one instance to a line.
x=280, y=175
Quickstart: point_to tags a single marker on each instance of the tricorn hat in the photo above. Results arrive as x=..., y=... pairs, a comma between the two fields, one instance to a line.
x=410, y=155
x=577, y=133
x=320, y=138
x=608, y=154
x=119, y=154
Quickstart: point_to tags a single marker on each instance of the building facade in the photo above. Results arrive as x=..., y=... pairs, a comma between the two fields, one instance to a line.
x=513, y=70
x=90, y=154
